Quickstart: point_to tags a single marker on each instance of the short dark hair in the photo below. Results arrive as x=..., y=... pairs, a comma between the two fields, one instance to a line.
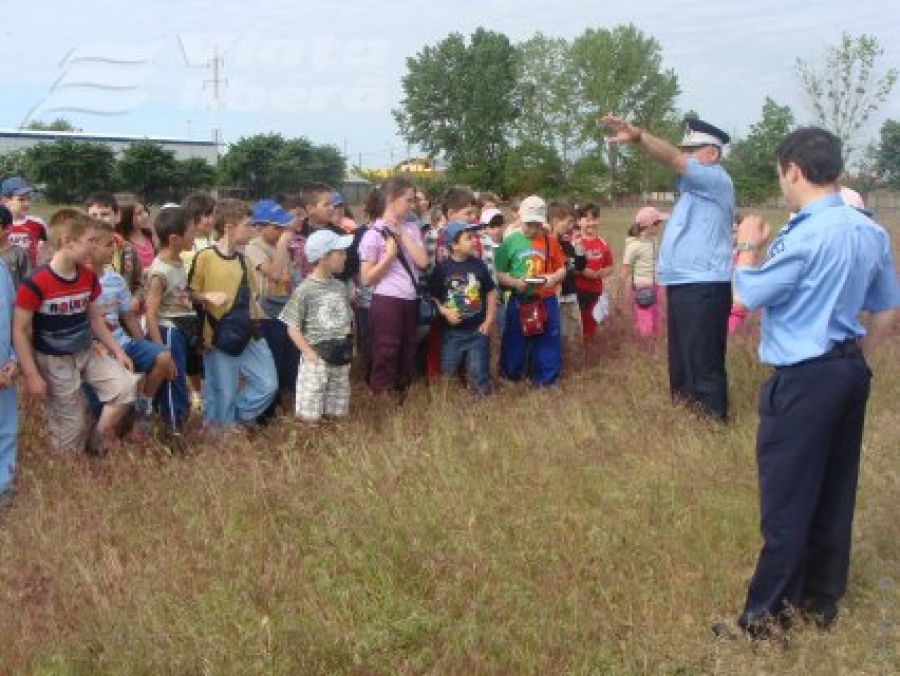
x=197, y=205
x=293, y=201
x=103, y=199
x=456, y=198
x=171, y=221
x=314, y=192
x=558, y=209
x=229, y=212
x=589, y=209
x=394, y=187
x=816, y=152
x=6, y=217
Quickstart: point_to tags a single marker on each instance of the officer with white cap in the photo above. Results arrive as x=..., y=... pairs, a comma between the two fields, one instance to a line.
x=695, y=259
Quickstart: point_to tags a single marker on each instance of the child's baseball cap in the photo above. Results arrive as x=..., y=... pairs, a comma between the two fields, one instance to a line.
x=533, y=210
x=6, y=217
x=489, y=215
x=322, y=242
x=453, y=230
x=648, y=216
x=269, y=212
x=15, y=186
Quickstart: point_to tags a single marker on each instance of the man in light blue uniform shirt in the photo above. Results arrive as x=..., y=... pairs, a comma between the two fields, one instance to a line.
x=828, y=265
x=695, y=260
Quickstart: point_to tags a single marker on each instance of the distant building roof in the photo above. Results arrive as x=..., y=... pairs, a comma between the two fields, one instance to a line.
x=356, y=178
x=182, y=148
x=100, y=138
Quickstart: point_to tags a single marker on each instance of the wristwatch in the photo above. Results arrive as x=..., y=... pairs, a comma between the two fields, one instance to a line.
x=747, y=246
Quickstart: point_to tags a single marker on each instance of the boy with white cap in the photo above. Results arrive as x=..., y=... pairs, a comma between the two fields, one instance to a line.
x=319, y=320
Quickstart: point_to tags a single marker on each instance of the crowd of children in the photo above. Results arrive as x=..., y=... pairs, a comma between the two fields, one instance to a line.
x=123, y=327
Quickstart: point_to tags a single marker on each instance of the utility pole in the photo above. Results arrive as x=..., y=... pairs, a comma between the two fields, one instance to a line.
x=217, y=85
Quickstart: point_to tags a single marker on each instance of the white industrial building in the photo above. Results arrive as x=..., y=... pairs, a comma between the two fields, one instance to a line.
x=21, y=139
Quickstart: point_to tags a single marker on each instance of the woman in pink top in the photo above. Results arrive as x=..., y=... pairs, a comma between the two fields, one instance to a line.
x=391, y=255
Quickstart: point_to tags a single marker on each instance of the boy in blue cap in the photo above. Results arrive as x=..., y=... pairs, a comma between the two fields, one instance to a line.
x=466, y=297
x=27, y=231
x=268, y=255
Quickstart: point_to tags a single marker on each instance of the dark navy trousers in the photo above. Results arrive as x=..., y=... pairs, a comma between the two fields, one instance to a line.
x=697, y=341
x=808, y=451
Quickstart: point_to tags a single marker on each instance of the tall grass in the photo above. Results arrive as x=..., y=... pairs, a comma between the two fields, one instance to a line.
x=588, y=529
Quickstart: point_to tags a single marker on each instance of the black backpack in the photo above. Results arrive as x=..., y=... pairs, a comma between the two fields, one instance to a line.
x=234, y=330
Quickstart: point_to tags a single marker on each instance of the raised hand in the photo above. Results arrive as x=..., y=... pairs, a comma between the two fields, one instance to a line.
x=623, y=132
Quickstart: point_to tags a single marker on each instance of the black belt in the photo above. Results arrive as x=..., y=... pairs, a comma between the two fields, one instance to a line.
x=846, y=348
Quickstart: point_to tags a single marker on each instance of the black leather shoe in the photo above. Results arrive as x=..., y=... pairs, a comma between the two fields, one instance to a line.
x=820, y=613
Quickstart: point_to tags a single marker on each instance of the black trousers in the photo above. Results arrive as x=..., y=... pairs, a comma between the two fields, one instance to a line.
x=286, y=357
x=808, y=450
x=698, y=339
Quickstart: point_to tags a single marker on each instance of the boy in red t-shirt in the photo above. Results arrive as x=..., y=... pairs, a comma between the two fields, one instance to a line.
x=27, y=232
x=55, y=322
x=589, y=282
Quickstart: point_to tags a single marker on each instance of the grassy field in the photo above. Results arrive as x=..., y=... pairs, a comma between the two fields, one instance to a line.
x=590, y=529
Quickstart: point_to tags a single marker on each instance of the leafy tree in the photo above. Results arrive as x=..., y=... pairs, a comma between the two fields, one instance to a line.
x=888, y=153
x=546, y=95
x=192, y=174
x=457, y=103
x=845, y=88
x=533, y=167
x=150, y=170
x=621, y=70
x=752, y=159
x=13, y=163
x=267, y=164
x=70, y=170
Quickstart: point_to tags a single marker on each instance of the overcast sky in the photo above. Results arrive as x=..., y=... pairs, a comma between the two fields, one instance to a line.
x=331, y=71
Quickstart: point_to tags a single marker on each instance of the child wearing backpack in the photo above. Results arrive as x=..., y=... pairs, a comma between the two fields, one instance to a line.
x=240, y=380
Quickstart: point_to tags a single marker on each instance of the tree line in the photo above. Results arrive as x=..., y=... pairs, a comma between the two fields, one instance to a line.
x=259, y=166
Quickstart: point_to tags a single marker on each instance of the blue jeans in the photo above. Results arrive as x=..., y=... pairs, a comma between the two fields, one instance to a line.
x=223, y=403
x=172, y=398
x=471, y=347
x=9, y=413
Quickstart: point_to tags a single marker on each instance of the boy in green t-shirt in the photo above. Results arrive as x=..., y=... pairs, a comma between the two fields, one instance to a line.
x=532, y=265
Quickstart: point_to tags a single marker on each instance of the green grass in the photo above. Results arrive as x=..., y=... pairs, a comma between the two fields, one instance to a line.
x=591, y=529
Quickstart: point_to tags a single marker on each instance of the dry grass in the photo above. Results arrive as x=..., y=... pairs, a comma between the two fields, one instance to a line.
x=591, y=529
